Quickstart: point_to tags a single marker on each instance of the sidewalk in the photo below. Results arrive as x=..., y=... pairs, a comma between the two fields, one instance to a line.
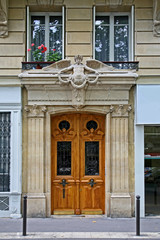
x=74, y=227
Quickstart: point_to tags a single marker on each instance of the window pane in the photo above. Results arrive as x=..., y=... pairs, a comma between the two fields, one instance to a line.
x=152, y=170
x=91, y=158
x=102, y=42
x=63, y=158
x=37, y=33
x=121, y=20
x=121, y=38
x=102, y=20
x=55, y=34
x=5, y=134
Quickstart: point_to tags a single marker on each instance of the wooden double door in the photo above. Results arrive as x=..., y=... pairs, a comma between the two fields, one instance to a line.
x=78, y=167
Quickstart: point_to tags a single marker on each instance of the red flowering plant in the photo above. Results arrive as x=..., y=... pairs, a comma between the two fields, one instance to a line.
x=37, y=54
x=53, y=56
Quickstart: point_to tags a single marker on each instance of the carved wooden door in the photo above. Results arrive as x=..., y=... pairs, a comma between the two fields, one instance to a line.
x=78, y=164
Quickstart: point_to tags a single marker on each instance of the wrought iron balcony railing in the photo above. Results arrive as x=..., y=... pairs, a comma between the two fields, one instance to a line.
x=117, y=65
x=124, y=65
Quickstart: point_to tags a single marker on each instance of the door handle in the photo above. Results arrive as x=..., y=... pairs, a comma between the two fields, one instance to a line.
x=63, y=183
x=92, y=182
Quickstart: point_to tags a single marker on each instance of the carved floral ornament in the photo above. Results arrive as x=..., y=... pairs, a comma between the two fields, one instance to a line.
x=35, y=110
x=120, y=110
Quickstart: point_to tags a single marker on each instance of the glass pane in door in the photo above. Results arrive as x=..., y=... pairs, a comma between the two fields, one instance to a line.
x=64, y=158
x=91, y=158
x=152, y=170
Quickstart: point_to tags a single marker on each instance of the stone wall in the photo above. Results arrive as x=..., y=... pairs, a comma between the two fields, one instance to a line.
x=146, y=44
x=79, y=35
x=12, y=47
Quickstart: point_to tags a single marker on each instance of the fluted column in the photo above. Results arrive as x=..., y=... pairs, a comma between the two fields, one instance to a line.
x=120, y=197
x=35, y=176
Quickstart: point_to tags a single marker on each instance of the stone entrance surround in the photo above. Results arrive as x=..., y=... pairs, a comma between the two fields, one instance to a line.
x=79, y=88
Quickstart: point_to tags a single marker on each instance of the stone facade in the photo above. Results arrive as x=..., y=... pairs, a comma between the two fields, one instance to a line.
x=105, y=91
x=99, y=90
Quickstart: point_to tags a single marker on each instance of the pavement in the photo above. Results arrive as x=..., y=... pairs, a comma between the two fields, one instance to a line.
x=80, y=227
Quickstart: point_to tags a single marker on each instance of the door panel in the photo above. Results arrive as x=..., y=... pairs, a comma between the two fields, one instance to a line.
x=78, y=164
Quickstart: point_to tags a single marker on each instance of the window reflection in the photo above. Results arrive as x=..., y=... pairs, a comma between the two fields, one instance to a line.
x=152, y=170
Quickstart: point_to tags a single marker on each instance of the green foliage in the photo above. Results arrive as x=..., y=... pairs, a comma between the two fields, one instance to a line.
x=37, y=55
x=53, y=56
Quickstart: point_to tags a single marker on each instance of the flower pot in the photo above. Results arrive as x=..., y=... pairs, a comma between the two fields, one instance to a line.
x=38, y=66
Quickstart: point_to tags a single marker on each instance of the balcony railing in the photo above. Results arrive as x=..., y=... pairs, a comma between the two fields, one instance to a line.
x=124, y=65
x=117, y=65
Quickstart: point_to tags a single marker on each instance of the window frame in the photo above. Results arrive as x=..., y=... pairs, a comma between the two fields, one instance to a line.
x=111, y=30
x=46, y=15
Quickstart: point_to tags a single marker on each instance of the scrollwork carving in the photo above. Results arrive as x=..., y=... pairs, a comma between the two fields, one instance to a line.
x=64, y=133
x=121, y=110
x=35, y=110
x=92, y=133
x=3, y=18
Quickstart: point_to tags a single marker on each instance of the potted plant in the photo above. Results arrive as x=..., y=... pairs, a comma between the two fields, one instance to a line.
x=38, y=55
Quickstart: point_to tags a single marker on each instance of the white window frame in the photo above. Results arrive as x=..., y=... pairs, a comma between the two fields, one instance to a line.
x=131, y=30
x=47, y=15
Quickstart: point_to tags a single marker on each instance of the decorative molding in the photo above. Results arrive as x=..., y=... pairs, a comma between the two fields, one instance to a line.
x=156, y=18
x=3, y=18
x=44, y=2
x=40, y=2
x=92, y=133
x=35, y=111
x=115, y=3
x=120, y=110
x=64, y=133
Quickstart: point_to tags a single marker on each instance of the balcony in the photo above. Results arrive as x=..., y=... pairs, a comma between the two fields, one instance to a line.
x=117, y=65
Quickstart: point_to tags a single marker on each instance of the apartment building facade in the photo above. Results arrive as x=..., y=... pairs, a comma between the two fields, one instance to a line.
x=74, y=132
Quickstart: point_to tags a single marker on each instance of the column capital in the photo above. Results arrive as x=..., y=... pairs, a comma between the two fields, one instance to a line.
x=35, y=111
x=120, y=110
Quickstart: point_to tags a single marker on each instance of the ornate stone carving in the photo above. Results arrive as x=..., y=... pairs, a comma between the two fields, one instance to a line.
x=156, y=18
x=35, y=110
x=79, y=76
x=3, y=18
x=120, y=110
x=40, y=2
x=115, y=3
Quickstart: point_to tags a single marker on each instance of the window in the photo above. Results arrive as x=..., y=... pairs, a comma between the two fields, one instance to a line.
x=112, y=37
x=46, y=29
x=5, y=135
x=152, y=169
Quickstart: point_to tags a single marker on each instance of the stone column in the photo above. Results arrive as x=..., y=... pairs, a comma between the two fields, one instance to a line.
x=120, y=197
x=35, y=164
